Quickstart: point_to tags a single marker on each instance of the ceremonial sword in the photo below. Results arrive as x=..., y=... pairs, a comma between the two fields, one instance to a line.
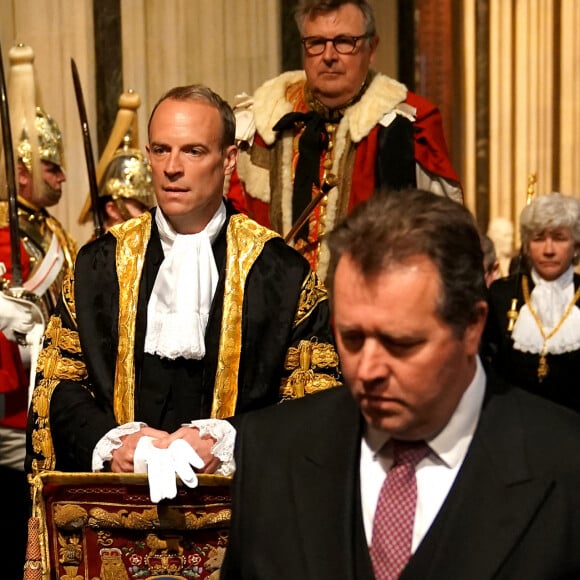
x=15, y=255
x=93, y=186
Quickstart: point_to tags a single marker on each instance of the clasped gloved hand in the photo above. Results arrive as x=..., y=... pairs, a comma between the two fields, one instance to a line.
x=184, y=459
x=158, y=465
x=162, y=466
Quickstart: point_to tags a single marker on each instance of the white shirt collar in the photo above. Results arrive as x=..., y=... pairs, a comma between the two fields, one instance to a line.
x=452, y=442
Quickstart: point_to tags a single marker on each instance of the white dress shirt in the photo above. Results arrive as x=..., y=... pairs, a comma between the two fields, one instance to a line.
x=435, y=474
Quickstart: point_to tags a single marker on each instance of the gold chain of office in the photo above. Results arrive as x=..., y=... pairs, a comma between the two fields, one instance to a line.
x=543, y=368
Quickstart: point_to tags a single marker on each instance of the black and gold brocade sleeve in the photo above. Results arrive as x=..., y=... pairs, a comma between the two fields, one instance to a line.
x=311, y=363
x=60, y=359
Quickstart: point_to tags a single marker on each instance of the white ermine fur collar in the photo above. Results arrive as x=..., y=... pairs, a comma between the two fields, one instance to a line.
x=381, y=97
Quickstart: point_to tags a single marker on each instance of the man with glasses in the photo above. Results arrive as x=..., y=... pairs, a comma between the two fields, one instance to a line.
x=317, y=142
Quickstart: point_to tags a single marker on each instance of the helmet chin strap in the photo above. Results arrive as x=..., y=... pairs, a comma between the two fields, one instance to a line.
x=120, y=203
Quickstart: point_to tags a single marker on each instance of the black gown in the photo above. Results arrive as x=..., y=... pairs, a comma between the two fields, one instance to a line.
x=561, y=385
x=94, y=375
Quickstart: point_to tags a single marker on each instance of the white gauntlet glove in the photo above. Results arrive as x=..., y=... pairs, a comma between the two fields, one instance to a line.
x=18, y=318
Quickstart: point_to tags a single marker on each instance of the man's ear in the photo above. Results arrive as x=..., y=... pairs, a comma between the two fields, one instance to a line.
x=113, y=214
x=474, y=330
x=22, y=174
x=230, y=159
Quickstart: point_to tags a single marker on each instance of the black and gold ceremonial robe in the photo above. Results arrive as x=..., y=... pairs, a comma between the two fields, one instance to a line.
x=268, y=339
x=560, y=384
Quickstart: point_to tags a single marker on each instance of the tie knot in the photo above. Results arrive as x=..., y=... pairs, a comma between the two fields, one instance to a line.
x=409, y=452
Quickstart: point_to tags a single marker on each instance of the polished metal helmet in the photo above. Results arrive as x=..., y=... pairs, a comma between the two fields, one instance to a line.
x=36, y=135
x=128, y=176
x=123, y=171
x=49, y=141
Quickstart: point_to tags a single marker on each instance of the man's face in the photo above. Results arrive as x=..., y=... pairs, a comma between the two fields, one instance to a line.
x=188, y=163
x=52, y=179
x=404, y=366
x=335, y=78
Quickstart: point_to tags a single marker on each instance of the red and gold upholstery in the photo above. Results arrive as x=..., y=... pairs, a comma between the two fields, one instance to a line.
x=103, y=526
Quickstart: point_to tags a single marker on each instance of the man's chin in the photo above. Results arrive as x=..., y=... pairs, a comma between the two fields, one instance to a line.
x=50, y=197
x=389, y=417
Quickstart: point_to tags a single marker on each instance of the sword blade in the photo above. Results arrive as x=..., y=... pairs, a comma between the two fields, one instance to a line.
x=92, y=175
x=15, y=255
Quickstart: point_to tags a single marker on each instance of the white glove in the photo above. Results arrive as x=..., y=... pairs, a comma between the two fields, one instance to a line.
x=17, y=316
x=184, y=458
x=158, y=464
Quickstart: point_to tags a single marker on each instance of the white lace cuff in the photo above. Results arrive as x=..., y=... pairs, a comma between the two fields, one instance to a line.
x=225, y=435
x=103, y=450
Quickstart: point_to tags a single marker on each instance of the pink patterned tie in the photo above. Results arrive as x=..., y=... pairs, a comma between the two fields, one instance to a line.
x=395, y=514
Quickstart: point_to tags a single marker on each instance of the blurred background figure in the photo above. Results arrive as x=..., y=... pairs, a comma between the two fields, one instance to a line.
x=501, y=232
x=48, y=251
x=123, y=173
x=533, y=329
x=491, y=267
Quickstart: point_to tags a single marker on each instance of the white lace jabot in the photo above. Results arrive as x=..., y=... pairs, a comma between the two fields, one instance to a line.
x=179, y=306
x=549, y=300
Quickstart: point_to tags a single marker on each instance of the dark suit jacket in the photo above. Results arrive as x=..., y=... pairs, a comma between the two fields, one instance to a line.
x=512, y=513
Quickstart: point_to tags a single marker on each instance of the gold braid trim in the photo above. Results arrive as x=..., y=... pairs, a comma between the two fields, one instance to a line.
x=68, y=294
x=313, y=293
x=52, y=365
x=132, y=239
x=41, y=435
x=61, y=338
x=304, y=362
x=245, y=242
x=52, y=368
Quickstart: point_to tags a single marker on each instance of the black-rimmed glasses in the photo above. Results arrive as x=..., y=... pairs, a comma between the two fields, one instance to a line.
x=343, y=44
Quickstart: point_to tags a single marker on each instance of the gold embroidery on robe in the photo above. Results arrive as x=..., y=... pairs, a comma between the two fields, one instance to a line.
x=245, y=242
x=132, y=239
x=305, y=363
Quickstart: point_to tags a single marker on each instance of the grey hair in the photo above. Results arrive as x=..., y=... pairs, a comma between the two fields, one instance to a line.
x=311, y=8
x=548, y=211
